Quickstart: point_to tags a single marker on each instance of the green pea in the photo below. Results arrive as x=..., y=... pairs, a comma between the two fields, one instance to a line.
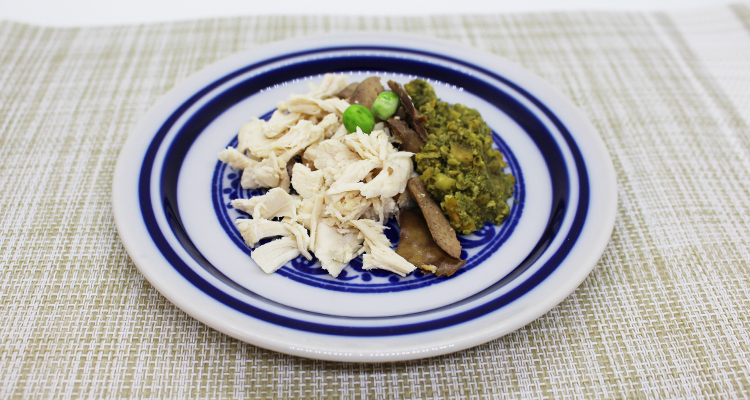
x=358, y=116
x=385, y=105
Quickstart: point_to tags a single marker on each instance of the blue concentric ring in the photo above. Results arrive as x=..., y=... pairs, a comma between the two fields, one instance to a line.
x=345, y=62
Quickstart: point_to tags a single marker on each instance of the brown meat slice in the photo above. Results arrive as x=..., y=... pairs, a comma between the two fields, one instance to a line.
x=440, y=228
x=400, y=112
x=346, y=92
x=410, y=140
x=367, y=91
x=416, y=120
x=417, y=246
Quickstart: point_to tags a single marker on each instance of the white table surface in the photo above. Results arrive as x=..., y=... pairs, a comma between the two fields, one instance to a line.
x=93, y=12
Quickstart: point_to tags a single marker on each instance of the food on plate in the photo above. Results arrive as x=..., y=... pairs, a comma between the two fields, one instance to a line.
x=441, y=231
x=336, y=174
x=330, y=191
x=366, y=92
x=410, y=140
x=385, y=105
x=458, y=164
x=417, y=246
x=347, y=91
x=416, y=121
x=357, y=116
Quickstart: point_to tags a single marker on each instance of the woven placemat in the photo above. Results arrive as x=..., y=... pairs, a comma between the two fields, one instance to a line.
x=663, y=315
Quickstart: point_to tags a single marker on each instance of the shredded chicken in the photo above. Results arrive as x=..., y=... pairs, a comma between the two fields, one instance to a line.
x=273, y=255
x=397, y=169
x=235, y=159
x=280, y=122
x=331, y=85
x=347, y=184
x=256, y=229
x=305, y=181
x=333, y=249
x=378, y=253
x=275, y=203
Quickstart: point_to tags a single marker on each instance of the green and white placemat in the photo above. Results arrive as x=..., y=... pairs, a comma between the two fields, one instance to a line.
x=663, y=315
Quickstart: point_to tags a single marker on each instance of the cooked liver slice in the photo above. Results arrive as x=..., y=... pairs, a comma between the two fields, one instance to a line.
x=347, y=92
x=414, y=118
x=418, y=247
x=440, y=228
x=410, y=140
x=367, y=91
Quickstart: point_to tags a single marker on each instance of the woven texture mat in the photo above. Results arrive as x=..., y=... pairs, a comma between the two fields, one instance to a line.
x=663, y=314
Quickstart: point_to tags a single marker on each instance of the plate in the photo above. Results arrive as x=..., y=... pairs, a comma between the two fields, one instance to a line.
x=171, y=205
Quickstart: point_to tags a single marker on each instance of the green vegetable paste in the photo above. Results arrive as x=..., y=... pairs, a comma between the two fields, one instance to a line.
x=458, y=165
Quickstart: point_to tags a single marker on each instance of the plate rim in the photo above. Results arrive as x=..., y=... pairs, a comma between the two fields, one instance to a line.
x=126, y=231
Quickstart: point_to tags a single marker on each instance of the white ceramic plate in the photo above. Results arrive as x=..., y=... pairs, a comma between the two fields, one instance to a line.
x=171, y=198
